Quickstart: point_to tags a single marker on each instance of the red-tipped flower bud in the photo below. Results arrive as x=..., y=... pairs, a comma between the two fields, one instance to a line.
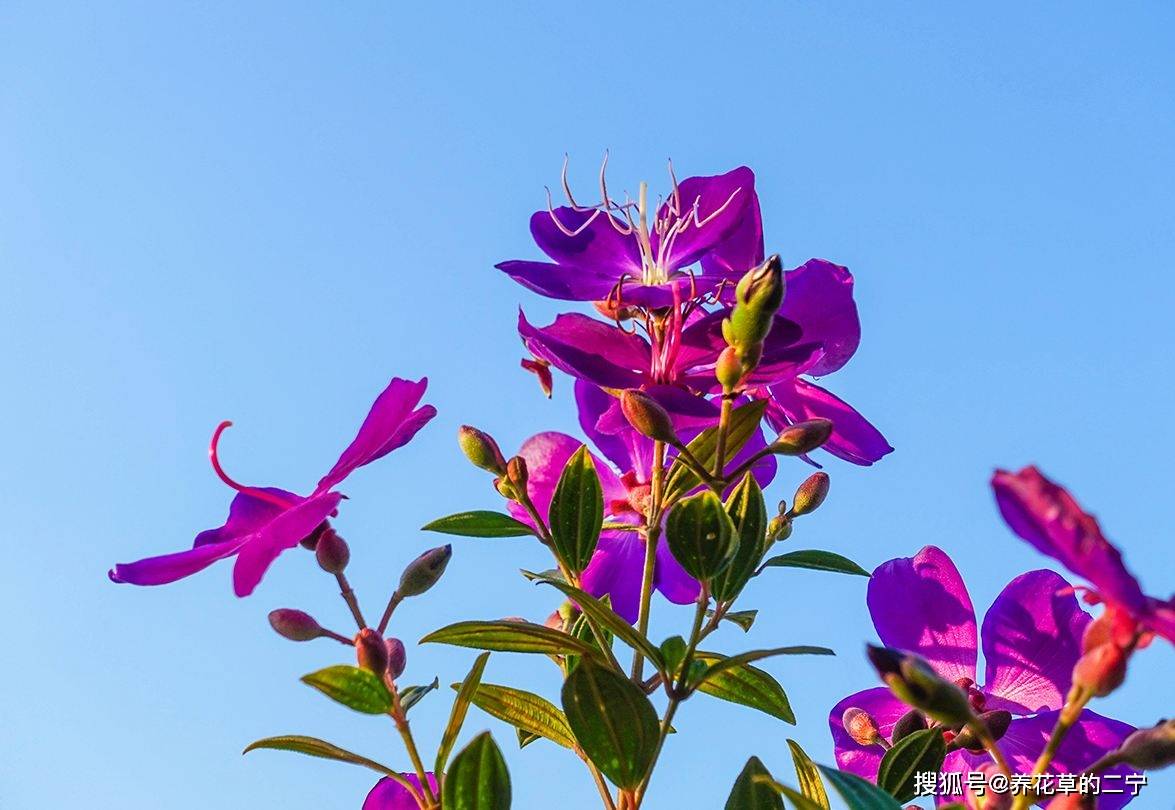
x=517, y=473
x=810, y=494
x=481, y=449
x=397, y=657
x=332, y=552
x=1101, y=670
x=861, y=726
x=729, y=369
x=424, y=572
x=647, y=416
x=802, y=437
x=296, y=625
x=371, y=651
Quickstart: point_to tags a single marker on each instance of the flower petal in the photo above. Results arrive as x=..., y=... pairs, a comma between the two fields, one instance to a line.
x=851, y=756
x=741, y=250
x=920, y=604
x=1159, y=617
x=598, y=245
x=246, y=514
x=616, y=569
x=1031, y=640
x=562, y=281
x=589, y=349
x=171, y=567
x=391, y=795
x=546, y=455
x=671, y=579
x=389, y=425
x=853, y=438
x=624, y=447
x=819, y=298
x=722, y=202
x=283, y=532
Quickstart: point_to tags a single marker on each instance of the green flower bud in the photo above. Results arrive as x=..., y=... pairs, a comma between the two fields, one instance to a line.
x=647, y=416
x=332, y=552
x=729, y=369
x=907, y=724
x=424, y=572
x=481, y=449
x=757, y=298
x=1149, y=748
x=779, y=529
x=295, y=625
x=371, y=651
x=810, y=494
x=861, y=726
x=913, y=682
x=802, y=437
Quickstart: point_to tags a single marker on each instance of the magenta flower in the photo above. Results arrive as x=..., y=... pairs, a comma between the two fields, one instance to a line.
x=1052, y=521
x=265, y=521
x=388, y=794
x=1031, y=640
x=612, y=250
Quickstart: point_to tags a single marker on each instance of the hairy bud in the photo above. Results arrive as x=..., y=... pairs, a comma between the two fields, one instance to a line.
x=481, y=449
x=810, y=494
x=1101, y=670
x=424, y=572
x=802, y=437
x=332, y=552
x=397, y=657
x=1149, y=748
x=913, y=682
x=295, y=625
x=861, y=726
x=647, y=416
x=371, y=651
x=908, y=723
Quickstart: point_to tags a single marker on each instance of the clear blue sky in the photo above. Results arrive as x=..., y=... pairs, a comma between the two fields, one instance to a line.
x=263, y=211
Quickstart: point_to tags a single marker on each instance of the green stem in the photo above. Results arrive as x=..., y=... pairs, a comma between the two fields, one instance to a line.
x=1075, y=703
x=401, y=720
x=652, y=537
x=723, y=429
x=348, y=595
x=393, y=603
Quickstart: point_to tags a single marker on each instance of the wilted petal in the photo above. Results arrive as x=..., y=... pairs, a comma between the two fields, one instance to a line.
x=1031, y=640
x=819, y=299
x=725, y=200
x=853, y=438
x=920, y=604
x=391, y=795
x=851, y=756
x=589, y=349
x=282, y=533
x=616, y=570
x=389, y=425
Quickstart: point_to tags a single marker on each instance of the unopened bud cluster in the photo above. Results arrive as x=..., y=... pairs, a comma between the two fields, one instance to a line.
x=757, y=298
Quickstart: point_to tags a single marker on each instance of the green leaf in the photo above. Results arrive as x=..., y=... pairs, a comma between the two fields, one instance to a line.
x=613, y=721
x=751, y=790
x=747, y=686
x=460, y=709
x=529, y=713
x=314, y=747
x=358, y=689
x=701, y=536
x=723, y=664
x=582, y=630
x=809, y=778
x=743, y=422
x=577, y=511
x=479, y=523
x=748, y=514
x=508, y=636
x=411, y=695
x=798, y=799
x=743, y=619
x=525, y=738
x=816, y=560
x=857, y=793
x=673, y=653
x=604, y=616
x=915, y=753
x=477, y=779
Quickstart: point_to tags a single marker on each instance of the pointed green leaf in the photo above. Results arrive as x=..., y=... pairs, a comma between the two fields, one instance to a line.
x=477, y=779
x=358, y=689
x=577, y=511
x=747, y=686
x=723, y=664
x=743, y=619
x=314, y=747
x=798, y=799
x=526, y=711
x=411, y=695
x=809, y=778
x=816, y=560
x=744, y=420
x=460, y=708
x=751, y=791
x=613, y=721
x=525, y=738
x=701, y=536
x=915, y=753
x=673, y=653
x=748, y=513
x=857, y=793
x=509, y=636
x=479, y=523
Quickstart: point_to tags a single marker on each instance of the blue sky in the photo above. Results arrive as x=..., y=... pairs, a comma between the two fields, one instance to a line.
x=263, y=211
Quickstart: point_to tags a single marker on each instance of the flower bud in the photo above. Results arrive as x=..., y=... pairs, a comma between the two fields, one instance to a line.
x=1149, y=749
x=295, y=625
x=757, y=298
x=481, y=449
x=913, y=682
x=647, y=416
x=907, y=724
x=1101, y=670
x=424, y=572
x=861, y=726
x=802, y=437
x=397, y=657
x=332, y=552
x=371, y=651
x=729, y=369
x=985, y=798
x=542, y=370
x=996, y=722
x=779, y=529
x=505, y=489
x=517, y=473
x=311, y=540
x=612, y=309
x=810, y=494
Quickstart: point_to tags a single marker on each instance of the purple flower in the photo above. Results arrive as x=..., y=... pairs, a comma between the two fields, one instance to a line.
x=613, y=250
x=1031, y=640
x=1052, y=521
x=388, y=794
x=265, y=521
